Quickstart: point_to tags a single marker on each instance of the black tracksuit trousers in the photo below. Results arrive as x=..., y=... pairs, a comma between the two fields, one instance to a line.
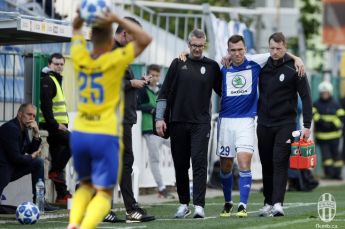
x=190, y=141
x=60, y=153
x=128, y=160
x=274, y=154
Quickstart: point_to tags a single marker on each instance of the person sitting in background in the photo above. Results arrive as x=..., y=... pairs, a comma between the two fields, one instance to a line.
x=147, y=104
x=19, y=155
x=327, y=115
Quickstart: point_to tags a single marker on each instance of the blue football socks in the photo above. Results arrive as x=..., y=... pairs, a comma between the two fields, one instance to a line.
x=245, y=183
x=226, y=180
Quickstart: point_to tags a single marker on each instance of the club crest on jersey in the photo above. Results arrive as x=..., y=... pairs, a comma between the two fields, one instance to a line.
x=281, y=77
x=202, y=70
x=238, y=81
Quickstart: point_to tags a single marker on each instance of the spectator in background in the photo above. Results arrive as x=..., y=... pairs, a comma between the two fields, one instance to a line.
x=54, y=118
x=50, y=9
x=19, y=155
x=147, y=104
x=327, y=115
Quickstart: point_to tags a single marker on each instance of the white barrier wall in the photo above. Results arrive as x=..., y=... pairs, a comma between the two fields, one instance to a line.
x=142, y=176
x=141, y=159
x=18, y=191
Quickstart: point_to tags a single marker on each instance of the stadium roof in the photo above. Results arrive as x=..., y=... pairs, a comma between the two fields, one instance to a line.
x=19, y=29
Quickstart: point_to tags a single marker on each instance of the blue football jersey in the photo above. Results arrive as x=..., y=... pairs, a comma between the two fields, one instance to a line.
x=240, y=87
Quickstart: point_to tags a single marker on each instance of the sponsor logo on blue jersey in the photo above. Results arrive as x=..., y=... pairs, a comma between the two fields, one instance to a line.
x=240, y=90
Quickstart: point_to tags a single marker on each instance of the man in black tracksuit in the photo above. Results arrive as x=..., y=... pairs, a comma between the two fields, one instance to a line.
x=279, y=84
x=188, y=87
x=134, y=213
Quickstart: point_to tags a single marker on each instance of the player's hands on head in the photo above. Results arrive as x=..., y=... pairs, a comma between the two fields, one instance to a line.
x=78, y=21
x=106, y=19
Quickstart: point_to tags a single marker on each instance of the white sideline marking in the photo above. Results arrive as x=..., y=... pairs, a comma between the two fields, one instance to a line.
x=100, y=226
x=278, y=225
x=290, y=205
x=221, y=204
x=187, y=219
x=53, y=216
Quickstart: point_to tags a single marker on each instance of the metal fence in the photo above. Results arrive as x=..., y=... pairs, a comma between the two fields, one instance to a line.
x=168, y=28
x=11, y=84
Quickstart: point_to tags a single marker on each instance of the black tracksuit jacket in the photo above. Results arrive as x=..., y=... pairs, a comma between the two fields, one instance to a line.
x=278, y=87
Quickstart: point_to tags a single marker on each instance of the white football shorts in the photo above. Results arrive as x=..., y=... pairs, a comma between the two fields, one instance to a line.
x=235, y=135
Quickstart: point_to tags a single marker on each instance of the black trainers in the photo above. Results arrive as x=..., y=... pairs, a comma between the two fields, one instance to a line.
x=138, y=215
x=226, y=210
x=112, y=218
x=241, y=212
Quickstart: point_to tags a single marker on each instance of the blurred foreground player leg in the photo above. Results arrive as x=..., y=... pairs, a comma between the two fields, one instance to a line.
x=95, y=146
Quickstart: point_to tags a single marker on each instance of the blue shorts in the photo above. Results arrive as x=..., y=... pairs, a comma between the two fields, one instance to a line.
x=96, y=158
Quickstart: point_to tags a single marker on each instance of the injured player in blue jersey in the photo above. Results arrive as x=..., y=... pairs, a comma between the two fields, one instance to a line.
x=236, y=126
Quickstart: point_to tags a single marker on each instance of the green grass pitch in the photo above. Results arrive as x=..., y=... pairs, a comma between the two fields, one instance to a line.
x=300, y=209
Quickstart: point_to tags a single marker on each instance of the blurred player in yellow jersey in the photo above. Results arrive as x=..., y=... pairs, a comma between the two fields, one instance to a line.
x=95, y=142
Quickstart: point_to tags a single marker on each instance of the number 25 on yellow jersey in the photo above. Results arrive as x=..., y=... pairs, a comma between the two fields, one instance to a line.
x=90, y=91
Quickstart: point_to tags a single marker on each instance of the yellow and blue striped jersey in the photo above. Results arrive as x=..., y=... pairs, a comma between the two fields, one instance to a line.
x=100, y=102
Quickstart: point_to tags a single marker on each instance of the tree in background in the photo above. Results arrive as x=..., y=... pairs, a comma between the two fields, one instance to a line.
x=311, y=22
